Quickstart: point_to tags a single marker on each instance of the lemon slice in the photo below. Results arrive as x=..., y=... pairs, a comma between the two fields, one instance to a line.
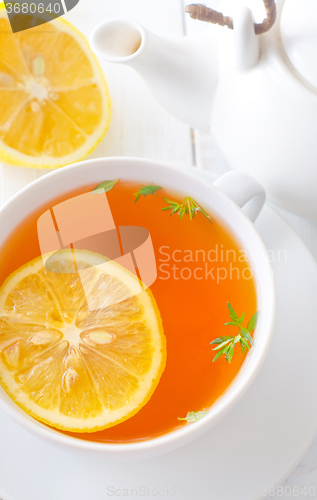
x=71, y=366
x=54, y=101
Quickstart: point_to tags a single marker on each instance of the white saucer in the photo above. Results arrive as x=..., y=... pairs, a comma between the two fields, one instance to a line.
x=254, y=448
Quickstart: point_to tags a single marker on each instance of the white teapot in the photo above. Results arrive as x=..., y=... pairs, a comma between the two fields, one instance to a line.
x=256, y=93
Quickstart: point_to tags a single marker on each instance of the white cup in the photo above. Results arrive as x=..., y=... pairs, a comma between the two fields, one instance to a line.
x=223, y=199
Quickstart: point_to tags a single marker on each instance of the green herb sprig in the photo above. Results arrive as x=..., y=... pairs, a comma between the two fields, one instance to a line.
x=226, y=345
x=145, y=191
x=189, y=206
x=193, y=416
x=106, y=186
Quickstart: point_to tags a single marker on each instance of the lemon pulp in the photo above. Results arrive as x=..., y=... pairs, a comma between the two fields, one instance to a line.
x=54, y=101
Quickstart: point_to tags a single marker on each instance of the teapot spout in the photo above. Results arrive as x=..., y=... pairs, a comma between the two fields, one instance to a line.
x=181, y=73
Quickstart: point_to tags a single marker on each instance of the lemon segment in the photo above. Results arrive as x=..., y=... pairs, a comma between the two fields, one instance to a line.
x=54, y=101
x=68, y=364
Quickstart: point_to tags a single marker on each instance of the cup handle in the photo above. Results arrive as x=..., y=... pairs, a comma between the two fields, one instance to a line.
x=245, y=191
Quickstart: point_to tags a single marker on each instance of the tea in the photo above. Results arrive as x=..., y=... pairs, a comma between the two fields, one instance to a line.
x=200, y=267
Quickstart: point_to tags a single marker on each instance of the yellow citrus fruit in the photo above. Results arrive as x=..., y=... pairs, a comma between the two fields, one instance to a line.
x=54, y=101
x=72, y=366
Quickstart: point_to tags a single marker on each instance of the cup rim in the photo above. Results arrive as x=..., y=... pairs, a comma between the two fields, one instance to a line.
x=182, y=435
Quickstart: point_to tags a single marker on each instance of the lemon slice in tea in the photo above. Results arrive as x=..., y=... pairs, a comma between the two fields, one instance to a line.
x=74, y=368
x=55, y=105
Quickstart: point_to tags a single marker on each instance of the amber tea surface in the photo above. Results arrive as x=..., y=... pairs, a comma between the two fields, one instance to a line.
x=200, y=268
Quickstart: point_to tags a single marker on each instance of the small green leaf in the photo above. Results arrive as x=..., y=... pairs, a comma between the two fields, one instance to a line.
x=230, y=354
x=193, y=416
x=204, y=214
x=249, y=338
x=245, y=343
x=237, y=339
x=233, y=315
x=221, y=352
x=220, y=346
x=175, y=209
x=106, y=186
x=226, y=345
x=145, y=191
x=217, y=341
x=253, y=321
x=243, y=332
x=189, y=206
x=181, y=213
x=221, y=339
x=170, y=202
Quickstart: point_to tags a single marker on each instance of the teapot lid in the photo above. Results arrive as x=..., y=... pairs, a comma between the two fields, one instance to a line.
x=299, y=36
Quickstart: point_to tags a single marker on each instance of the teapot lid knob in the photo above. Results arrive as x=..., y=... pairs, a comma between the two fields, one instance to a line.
x=299, y=36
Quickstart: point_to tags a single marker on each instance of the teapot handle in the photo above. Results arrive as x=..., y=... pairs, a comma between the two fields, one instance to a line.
x=203, y=13
x=245, y=191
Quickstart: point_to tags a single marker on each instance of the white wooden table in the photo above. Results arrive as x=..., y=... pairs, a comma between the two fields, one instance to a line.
x=141, y=128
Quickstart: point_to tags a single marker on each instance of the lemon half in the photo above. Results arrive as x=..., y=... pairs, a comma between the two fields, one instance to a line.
x=54, y=101
x=73, y=368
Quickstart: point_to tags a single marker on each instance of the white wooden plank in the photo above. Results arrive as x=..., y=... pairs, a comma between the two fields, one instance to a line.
x=207, y=154
x=140, y=127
